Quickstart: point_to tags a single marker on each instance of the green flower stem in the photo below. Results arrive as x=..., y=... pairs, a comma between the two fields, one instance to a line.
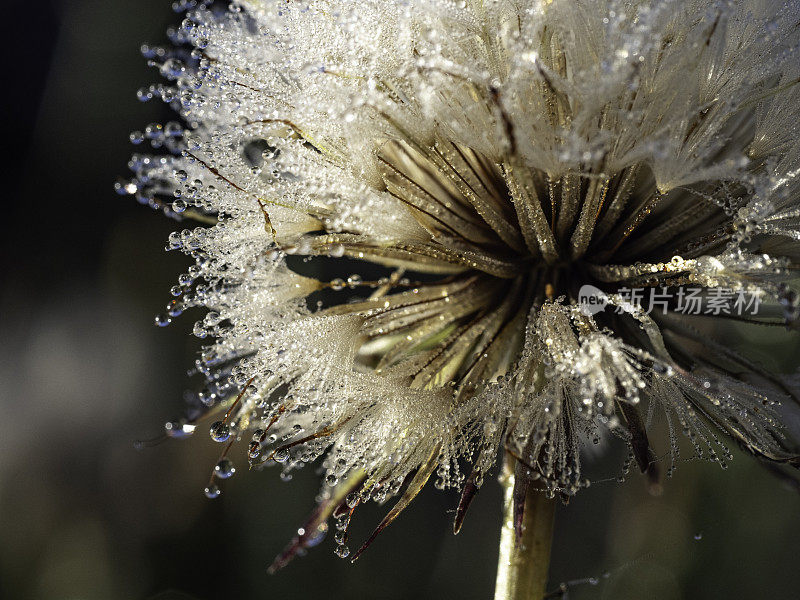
x=522, y=568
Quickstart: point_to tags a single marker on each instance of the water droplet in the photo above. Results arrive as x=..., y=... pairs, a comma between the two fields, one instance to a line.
x=212, y=491
x=224, y=469
x=281, y=455
x=174, y=308
x=342, y=551
x=253, y=449
x=698, y=536
x=220, y=432
x=144, y=94
x=177, y=429
x=319, y=535
x=162, y=320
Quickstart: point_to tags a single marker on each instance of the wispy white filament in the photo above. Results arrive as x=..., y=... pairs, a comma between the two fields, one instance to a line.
x=461, y=146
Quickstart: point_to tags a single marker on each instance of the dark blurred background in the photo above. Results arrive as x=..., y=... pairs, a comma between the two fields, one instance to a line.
x=84, y=373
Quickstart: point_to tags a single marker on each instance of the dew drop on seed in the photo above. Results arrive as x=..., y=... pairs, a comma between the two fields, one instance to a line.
x=220, y=432
x=224, y=469
x=253, y=450
x=319, y=535
x=177, y=429
x=342, y=551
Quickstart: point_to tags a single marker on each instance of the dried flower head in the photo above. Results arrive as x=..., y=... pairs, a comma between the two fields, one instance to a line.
x=407, y=201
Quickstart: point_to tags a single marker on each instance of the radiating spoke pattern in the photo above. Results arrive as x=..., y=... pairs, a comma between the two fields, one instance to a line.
x=474, y=168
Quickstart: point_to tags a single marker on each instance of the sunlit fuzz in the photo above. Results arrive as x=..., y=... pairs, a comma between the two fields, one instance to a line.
x=401, y=202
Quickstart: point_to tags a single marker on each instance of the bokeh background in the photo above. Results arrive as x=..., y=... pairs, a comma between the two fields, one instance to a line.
x=84, y=373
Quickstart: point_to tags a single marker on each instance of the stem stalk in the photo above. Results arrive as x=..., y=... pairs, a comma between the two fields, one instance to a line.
x=522, y=567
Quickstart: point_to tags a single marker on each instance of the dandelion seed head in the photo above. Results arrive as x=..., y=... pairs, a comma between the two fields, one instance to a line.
x=400, y=201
